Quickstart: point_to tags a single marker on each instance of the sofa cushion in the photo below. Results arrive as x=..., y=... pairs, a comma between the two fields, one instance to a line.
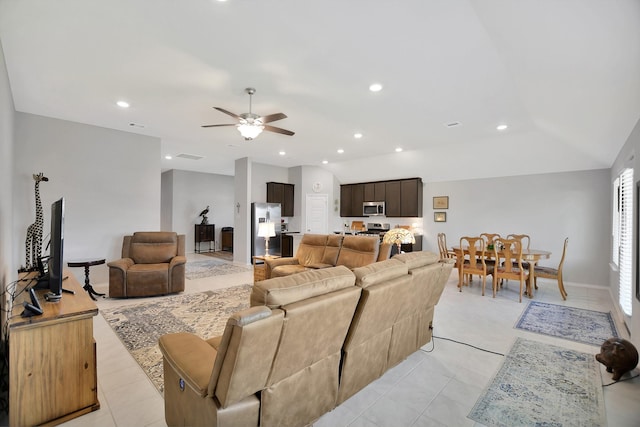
x=311, y=249
x=357, y=251
x=332, y=250
x=417, y=259
x=280, y=291
x=379, y=272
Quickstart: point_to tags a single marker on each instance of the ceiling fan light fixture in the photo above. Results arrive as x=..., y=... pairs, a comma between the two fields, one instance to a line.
x=250, y=131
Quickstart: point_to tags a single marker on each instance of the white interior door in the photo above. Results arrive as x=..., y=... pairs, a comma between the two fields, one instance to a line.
x=317, y=209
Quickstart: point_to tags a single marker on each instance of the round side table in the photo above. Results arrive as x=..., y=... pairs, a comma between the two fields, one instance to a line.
x=86, y=263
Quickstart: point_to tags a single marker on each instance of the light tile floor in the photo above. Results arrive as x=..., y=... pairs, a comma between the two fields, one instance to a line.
x=436, y=386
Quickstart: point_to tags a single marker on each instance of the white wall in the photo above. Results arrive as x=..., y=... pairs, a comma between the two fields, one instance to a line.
x=260, y=175
x=110, y=181
x=628, y=158
x=8, y=273
x=191, y=192
x=548, y=207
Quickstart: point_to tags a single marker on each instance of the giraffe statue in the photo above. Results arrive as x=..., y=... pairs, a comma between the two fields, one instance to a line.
x=33, y=244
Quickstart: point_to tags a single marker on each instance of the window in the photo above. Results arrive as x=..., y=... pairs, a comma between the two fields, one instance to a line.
x=623, y=236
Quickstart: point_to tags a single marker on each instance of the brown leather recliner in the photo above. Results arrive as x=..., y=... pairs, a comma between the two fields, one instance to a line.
x=215, y=382
x=152, y=263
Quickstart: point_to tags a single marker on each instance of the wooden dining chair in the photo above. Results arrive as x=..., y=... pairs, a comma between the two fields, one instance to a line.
x=443, y=249
x=522, y=238
x=553, y=273
x=473, y=263
x=489, y=239
x=508, y=255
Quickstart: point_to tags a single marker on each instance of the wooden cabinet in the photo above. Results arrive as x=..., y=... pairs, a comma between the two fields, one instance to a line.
x=52, y=370
x=205, y=233
x=403, y=197
x=278, y=192
x=287, y=246
x=226, y=239
x=345, y=200
x=392, y=201
x=410, y=197
x=374, y=191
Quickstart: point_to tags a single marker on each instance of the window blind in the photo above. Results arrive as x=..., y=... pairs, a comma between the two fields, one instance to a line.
x=615, y=226
x=626, y=238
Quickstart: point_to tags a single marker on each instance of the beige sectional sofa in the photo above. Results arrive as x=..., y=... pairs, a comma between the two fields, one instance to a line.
x=329, y=250
x=309, y=342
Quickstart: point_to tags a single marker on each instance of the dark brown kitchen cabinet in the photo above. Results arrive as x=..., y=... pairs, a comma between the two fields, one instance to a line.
x=287, y=245
x=345, y=200
x=410, y=197
x=374, y=191
x=402, y=197
x=357, y=197
x=278, y=192
x=392, y=200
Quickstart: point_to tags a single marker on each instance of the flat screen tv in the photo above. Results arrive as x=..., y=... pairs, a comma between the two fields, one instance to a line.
x=55, y=262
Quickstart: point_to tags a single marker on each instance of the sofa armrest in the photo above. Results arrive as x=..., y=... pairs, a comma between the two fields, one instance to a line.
x=270, y=264
x=177, y=260
x=191, y=357
x=121, y=264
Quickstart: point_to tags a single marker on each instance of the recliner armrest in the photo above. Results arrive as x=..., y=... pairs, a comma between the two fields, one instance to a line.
x=177, y=260
x=270, y=264
x=122, y=264
x=191, y=357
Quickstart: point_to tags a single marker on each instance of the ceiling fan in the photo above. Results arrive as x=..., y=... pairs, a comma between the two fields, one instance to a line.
x=251, y=125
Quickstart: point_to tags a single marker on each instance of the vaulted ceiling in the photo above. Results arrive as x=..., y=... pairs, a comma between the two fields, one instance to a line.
x=563, y=75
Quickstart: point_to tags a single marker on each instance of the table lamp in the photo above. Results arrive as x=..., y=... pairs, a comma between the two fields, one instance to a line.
x=398, y=236
x=266, y=230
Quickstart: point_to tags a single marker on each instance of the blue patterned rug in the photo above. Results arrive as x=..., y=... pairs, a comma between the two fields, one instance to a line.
x=212, y=267
x=575, y=324
x=543, y=385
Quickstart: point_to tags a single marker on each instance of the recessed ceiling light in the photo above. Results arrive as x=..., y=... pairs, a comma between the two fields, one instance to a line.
x=357, y=135
x=340, y=150
x=324, y=162
x=399, y=149
x=376, y=87
x=168, y=157
x=501, y=127
x=122, y=104
x=282, y=153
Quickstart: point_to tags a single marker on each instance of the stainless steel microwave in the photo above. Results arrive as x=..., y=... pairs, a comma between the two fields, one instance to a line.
x=373, y=209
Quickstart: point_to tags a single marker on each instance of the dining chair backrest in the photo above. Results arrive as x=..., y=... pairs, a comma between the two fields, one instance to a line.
x=564, y=252
x=442, y=245
x=489, y=238
x=475, y=249
x=508, y=253
x=524, y=239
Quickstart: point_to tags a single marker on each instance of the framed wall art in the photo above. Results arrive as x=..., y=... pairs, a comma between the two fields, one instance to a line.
x=440, y=217
x=441, y=202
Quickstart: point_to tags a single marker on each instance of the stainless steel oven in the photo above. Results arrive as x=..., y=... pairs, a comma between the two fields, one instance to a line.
x=373, y=209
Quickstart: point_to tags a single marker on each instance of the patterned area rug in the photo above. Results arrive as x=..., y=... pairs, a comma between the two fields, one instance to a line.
x=226, y=255
x=575, y=324
x=212, y=267
x=204, y=314
x=543, y=385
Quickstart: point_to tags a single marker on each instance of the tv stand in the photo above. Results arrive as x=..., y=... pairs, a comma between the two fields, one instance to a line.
x=52, y=368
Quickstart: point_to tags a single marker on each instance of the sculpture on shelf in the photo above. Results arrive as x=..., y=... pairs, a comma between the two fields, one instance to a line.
x=203, y=214
x=619, y=356
x=33, y=243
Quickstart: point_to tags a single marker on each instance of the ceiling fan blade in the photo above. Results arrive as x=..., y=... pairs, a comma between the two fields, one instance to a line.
x=273, y=117
x=278, y=130
x=222, y=110
x=214, y=126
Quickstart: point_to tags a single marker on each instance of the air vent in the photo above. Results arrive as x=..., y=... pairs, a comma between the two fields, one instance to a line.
x=190, y=156
x=452, y=124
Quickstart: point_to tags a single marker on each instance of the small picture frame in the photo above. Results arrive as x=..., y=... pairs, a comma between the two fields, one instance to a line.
x=441, y=202
x=440, y=217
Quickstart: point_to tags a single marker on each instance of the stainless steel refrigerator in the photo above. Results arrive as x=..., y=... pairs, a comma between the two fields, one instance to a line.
x=265, y=212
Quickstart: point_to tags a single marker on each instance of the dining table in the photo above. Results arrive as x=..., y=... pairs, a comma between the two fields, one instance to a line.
x=532, y=256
